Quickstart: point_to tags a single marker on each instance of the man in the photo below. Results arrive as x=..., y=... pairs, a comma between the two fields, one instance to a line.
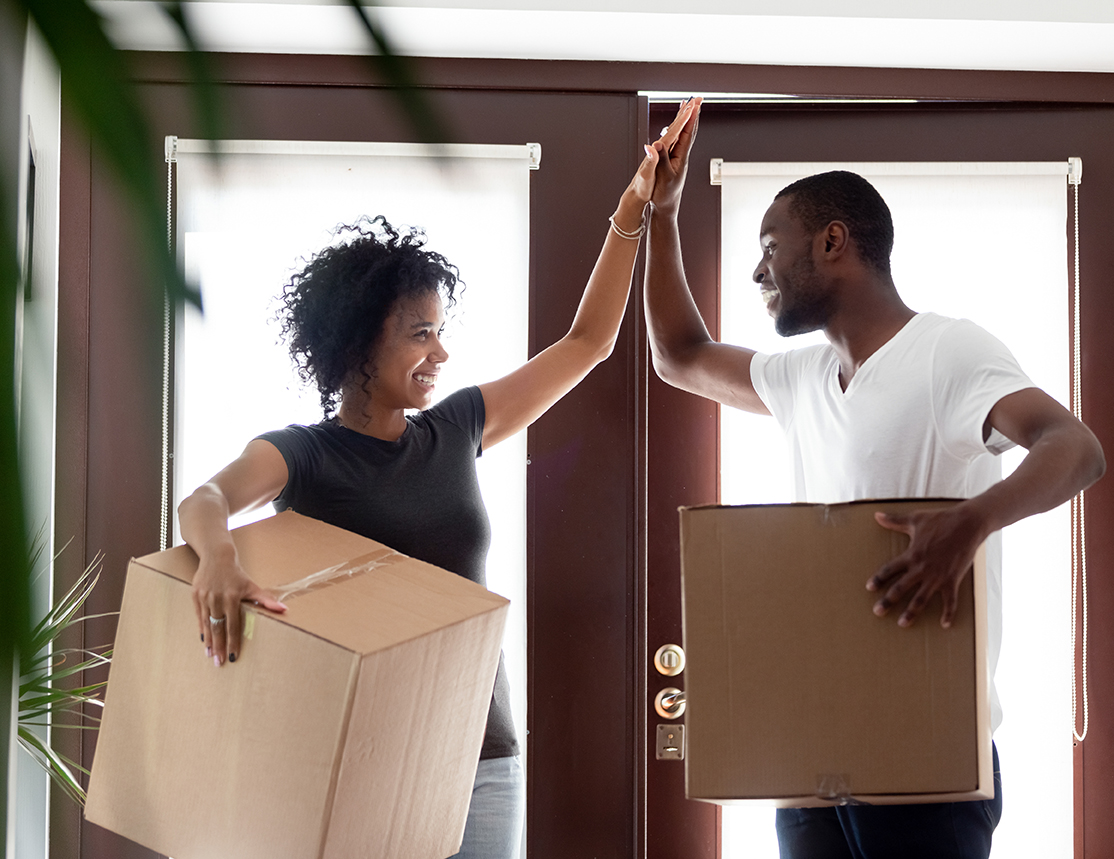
x=898, y=404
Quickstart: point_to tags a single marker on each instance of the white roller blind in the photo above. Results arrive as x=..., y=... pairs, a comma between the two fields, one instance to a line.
x=985, y=241
x=245, y=223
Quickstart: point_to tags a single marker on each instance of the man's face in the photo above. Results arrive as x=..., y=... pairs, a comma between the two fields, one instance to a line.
x=794, y=292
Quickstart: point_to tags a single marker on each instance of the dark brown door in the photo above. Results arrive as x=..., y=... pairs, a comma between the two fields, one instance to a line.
x=583, y=557
x=683, y=430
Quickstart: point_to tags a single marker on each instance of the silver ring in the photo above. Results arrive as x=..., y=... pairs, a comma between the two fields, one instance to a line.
x=216, y=621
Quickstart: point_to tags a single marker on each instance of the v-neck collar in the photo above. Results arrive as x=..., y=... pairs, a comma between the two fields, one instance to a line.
x=871, y=360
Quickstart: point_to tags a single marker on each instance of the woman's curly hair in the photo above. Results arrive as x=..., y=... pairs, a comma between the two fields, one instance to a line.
x=334, y=310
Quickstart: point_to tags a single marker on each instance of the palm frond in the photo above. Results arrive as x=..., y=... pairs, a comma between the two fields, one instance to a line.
x=44, y=699
x=58, y=767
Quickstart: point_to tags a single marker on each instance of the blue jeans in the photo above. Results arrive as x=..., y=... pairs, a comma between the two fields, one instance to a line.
x=946, y=830
x=494, y=827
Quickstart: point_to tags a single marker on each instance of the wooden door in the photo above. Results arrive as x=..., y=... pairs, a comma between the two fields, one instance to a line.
x=683, y=430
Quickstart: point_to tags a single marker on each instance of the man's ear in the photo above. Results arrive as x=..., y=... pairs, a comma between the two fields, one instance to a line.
x=834, y=240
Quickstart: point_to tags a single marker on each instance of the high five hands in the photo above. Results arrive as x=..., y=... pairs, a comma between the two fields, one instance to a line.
x=673, y=150
x=670, y=150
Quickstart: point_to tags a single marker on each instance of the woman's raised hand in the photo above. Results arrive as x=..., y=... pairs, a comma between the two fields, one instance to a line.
x=641, y=187
x=672, y=132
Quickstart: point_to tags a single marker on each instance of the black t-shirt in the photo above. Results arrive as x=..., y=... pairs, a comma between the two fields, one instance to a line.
x=419, y=495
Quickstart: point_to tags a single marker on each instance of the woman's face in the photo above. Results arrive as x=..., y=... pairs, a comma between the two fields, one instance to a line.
x=409, y=354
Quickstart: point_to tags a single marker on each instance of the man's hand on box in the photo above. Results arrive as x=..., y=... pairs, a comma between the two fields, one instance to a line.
x=219, y=587
x=942, y=546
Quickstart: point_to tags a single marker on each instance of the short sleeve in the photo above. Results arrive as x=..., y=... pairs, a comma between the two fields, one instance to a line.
x=777, y=377
x=972, y=371
x=758, y=366
x=301, y=449
x=464, y=409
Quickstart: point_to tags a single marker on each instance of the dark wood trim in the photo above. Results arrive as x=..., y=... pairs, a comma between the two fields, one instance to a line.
x=599, y=76
x=642, y=651
x=71, y=452
x=683, y=449
x=640, y=360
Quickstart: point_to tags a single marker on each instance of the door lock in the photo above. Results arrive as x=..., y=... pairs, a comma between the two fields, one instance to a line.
x=670, y=703
x=670, y=660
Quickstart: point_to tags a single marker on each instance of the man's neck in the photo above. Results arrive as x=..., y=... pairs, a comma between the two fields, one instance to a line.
x=867, y=319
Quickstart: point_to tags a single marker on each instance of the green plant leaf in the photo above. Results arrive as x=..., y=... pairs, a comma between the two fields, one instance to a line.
x=96, y=85
x=44, y=698
x=397, y=72
x=58, y=767
x=61, y=617
x=208, y=105
x=15, y=571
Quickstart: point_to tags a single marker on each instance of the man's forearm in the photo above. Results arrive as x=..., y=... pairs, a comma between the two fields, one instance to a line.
x=1065, y=460
x=674, y=324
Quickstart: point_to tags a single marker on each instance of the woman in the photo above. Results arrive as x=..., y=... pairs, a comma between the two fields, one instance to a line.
x=364, y=321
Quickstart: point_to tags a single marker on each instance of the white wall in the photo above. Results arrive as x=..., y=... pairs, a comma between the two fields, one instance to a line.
x=37, y=362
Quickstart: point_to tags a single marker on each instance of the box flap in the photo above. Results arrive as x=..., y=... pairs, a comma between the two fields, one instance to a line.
x=276, y=551
x=339, y=611
x=303, y=561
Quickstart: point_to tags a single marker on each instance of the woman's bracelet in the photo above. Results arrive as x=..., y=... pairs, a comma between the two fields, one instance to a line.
x=624, y=234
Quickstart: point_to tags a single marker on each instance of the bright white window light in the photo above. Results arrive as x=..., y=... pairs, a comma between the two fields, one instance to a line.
x=246, y=224
x=990, y=245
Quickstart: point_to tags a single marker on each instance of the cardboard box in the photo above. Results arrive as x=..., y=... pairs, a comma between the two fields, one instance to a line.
x=798, y=695
x=348, y=727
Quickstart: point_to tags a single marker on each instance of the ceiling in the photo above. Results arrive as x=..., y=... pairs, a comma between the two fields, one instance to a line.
x=1070, y=35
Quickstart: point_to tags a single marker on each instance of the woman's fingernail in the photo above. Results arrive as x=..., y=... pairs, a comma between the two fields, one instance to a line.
x=649, y=149
x=216, y=662
x=202, y=638
x=208, y=651
x=231, y=657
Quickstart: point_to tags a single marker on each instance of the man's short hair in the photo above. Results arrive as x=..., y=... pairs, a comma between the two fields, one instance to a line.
x=840, y=195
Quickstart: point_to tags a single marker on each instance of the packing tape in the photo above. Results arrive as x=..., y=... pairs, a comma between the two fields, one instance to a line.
x=249, y=625
x=836, y=788
x=346, y=570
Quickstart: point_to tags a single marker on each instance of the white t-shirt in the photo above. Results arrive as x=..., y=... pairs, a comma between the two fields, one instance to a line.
x=910, y=425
